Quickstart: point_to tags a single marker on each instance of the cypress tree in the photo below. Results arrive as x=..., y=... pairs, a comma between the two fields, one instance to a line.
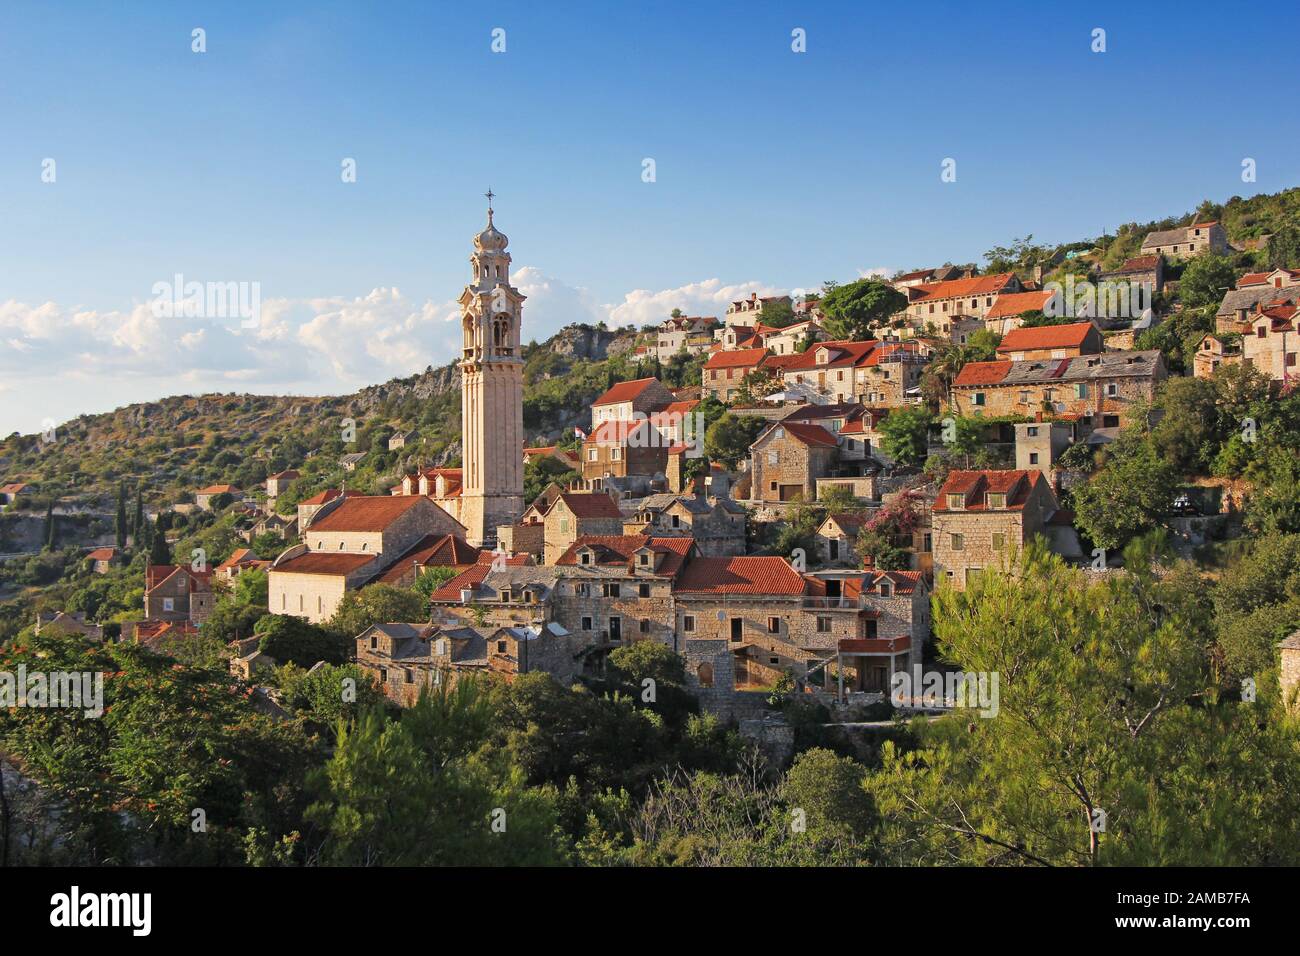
x=49, y=526
x=159, y=553
x=121, y=515
x=137, y=525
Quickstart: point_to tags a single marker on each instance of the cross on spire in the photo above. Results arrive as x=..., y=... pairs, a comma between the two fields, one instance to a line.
x=489, y=194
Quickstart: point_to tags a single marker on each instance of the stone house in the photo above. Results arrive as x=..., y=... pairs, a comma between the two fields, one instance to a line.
x=278, y=483
x=690, y=333
x=925, y=277
x=981, y=518
x=837, y=539
x=788, y=458
x=351, y=460
x=1272, y=342
x=349, y=541
x=788, y=340
x=929, y=304
x=750, y=311
x=1101, y=388
x=9, y=493
x=622, y=401
x=875, y=372
x=501, y=593
x=880, y=622
x=204, y=496
x=1146, y=270
x=240, y=560
x=716, y=524
x=1216, y=350
x=725, y=371
x=1187, y=241
x=1007, y=310
x=1050, y=342
x=402, y=439
x=1281, y=287
x=407, y=658
x=617, y=589
x=617, y=449
x=102, y=559
x=1040, y=444
x=174, y=592
x=574, y=514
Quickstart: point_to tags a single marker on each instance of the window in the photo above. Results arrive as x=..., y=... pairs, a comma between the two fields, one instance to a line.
x=973, y=575
x=409, y=676
x=1033, y=457
x=283, y=598
x=956, y=502
x=643, y=558
x=999, y=540
x=169, y=604
x=644, y=626
x=611, y=589
x=957, y=541
x=977, y=398
x=1024, y=397
x=564, y=525
x=688, y=623
x=774, y=625
x=823, y=624
x=1081, y=390
x=997, y=499
x=772, y=458
x=501, y=647
x=586, y=624
x=591, y=454
x=615, y=454
x=584, y=557
x=884, y=588
x=1112, y=389
x=774, y=660
x=643, y=589
x=383, y=675
x=1032, y=430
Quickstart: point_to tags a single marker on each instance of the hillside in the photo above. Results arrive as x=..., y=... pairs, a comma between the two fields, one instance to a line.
x=171, y=447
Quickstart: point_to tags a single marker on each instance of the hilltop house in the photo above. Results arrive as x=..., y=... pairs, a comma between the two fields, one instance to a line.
x=717, y=525
x=204, y=496
x=1272, y=342
x=1006, y=314
x=931, y=303
x=103, y=559
x=1187, y=241
x=725, y=371
x=1050, y=342
x=574, y=514
x=1146, y=271
x=693, y=334
x=278, y=483
x=623, y=401
x=750, y=311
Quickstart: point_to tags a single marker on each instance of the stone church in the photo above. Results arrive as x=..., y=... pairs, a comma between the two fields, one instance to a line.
x=492, y=398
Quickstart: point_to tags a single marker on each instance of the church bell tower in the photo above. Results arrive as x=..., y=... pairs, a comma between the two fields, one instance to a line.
x=492, y=391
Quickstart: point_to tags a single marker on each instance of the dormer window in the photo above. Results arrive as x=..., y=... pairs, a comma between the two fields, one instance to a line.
x=956, y=502
x=997, y=499
x=644, y=558
x=585, y=557
x=884, y=589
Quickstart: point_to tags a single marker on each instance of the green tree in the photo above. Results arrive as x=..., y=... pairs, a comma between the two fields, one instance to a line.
x=376, y=604
x=120, y=525
x=1132, y=493
x=905, y=434
x=1205, y=279
x=728, y=439
x=294, y=640
x=855, y=311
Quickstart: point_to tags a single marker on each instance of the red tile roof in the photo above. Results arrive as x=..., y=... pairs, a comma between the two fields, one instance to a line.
x=366, y=513
x=323, y=562
x=472, y=577
x=747, y=575
x=156, y=574
x=620, y=550
x=1011, y=304
x=982, y=373
x=1016, y=485
x=810, y=434
x=1046, y=337
x=237, y=557
x=218, y=490
x=957, y=288
x=624, y=391
x=593, y=504
x=1139, y=264
x=614, y=432
x=102, y=554
x=447, y=551
x=841, y=354
x=329, y=494
x=737, y=358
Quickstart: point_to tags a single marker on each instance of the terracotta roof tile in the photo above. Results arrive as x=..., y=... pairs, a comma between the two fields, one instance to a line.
x=982, y=373
x=621, y=549
x=366, y=513
x=1011, y=304
x=624, y=391
x=323, y=562
x=593, y=504
x=737, y=358
x=957, y=288
x=1046, y=337
x=746, y=575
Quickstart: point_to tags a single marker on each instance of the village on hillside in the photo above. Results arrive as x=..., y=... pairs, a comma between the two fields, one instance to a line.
x=785, y=514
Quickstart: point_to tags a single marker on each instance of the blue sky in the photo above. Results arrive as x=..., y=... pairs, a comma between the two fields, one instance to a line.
x=775, y=170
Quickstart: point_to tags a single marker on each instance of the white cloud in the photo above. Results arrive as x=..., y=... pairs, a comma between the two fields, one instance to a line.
x=69, y=360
